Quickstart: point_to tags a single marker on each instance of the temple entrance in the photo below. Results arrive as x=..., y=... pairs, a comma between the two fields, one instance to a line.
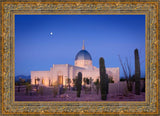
x=60, y=79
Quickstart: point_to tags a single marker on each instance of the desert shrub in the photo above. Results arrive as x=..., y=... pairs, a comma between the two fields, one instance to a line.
x=97, y=84
x=110, y=78
x=41, y=90
x=125, y=91
x=122, y=79
x=55, y=91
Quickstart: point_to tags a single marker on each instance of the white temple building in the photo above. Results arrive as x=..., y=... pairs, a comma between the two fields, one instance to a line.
x=60, y=72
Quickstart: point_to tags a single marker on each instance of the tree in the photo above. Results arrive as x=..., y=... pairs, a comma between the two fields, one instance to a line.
x=20, y=83
x=28, y=89
x=84, y=81
x=21, y=80
x=110, y=79
x=90, y=82
x=68, y=81
x=74, y=81
x=55, y=90
x=97, y=84
x=122, y=79
x=35, y=81
x=87, y=79
x=38, y=79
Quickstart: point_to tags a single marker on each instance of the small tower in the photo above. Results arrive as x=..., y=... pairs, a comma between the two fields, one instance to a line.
x=83, y=47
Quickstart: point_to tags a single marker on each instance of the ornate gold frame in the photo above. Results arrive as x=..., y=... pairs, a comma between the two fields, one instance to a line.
x=149, y=9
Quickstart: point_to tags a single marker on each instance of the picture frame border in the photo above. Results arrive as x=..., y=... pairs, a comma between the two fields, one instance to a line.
x=10, y=106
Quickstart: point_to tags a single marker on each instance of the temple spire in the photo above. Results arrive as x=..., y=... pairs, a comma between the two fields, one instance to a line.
x=83, y=47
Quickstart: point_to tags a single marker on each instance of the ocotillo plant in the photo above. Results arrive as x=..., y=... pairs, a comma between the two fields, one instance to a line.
x=79, y=84
x=128, y=77
x=137, y=72
x=103, y=79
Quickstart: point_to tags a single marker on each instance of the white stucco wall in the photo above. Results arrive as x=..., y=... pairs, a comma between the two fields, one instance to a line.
x=83, y=63
x=114, y=72
x=71, y=71
x=42, y=75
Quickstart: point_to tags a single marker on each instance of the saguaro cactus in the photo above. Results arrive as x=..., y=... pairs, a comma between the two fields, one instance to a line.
x=137, y=73
x=103, y=79
x=107, y=83
x=79, y=84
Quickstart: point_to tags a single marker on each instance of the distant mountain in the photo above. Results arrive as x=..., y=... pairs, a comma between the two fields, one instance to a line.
x=23, y=77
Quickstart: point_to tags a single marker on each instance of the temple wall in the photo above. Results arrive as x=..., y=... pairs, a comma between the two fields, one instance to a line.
x=60, y=70
x=119, y=88
x=114, y=72
x=70, y=71
x=41, y=75
x=94, y=73
x=83, y=63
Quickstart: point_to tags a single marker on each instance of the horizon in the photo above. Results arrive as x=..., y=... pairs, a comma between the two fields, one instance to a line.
x=38, y=50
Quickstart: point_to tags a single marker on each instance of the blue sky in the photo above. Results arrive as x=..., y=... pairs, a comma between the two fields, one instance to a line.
x=105, y=36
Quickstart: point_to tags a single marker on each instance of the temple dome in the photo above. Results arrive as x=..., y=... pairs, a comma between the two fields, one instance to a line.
x=83, y=58
x=83, y=55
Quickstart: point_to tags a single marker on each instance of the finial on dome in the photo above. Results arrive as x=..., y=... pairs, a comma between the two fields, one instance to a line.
x=83, y=47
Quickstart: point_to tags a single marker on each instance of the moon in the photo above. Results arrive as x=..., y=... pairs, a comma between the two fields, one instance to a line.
x=51, y=33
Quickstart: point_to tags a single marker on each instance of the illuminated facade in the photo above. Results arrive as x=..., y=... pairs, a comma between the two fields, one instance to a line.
x=60, y=72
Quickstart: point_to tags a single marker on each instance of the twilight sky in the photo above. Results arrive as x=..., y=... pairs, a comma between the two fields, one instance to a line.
x=105, y=36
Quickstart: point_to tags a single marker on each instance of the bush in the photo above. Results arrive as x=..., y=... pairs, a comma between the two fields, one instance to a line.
x=55, y=91
x=122, y=79
x=97, y=86
x=41, y=90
